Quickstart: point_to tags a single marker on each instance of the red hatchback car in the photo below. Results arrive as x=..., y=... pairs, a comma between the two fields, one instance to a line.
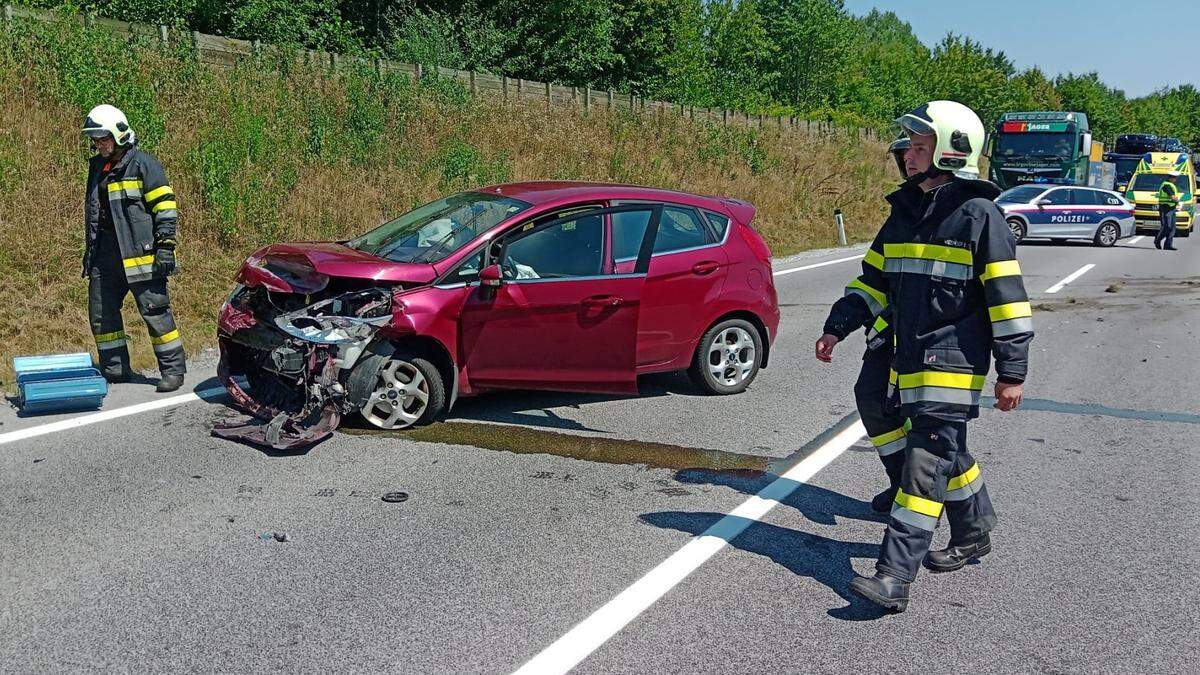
x=542, y=285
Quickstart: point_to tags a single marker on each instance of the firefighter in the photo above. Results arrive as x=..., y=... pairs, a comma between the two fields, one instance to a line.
x=886, y=429
x=130, y=216
x=1168, y=202
x=944, y=264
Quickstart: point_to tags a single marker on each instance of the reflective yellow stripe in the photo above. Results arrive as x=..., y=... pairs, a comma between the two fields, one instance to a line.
x=1013, y=310
x=874, y=259
x=884, y=439
x=933, y=378
x=880, y=325
x=926, y=507
x=125, y=184
x=109, y=337
x=877, y=295
x=173, y=335
x=163, y=206
x=928, y=252
x=158, y=192
x=965, y=479
x=138, y=262
x=893, y=377
x=1004, y=268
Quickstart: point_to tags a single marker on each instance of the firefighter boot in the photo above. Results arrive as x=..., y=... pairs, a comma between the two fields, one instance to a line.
x=955, y=557
x=882, y=589
x=169, y=383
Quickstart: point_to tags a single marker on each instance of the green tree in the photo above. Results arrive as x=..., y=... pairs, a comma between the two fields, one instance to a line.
x=1103, y=105
x=963, y=70
x=812, y=46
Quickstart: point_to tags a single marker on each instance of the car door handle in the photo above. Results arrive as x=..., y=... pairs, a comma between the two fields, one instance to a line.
x=706, y=267
x=603, y=301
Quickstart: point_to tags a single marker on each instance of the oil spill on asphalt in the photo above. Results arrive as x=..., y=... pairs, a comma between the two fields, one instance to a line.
x=529, y=441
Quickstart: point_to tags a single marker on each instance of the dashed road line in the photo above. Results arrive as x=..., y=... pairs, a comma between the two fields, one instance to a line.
x=1070, y=277
x=572, y=648
x=1136, y=239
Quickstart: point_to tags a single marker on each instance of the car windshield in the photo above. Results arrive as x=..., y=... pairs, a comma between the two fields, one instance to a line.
x=1020, y=195
x=1150, y=182
x=1125, y=168
x=436, y=230
x=1034, y=144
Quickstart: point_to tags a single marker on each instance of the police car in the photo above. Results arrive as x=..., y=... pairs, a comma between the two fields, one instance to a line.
x=1059, y=212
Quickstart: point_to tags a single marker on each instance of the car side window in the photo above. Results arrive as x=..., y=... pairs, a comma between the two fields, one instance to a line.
x=679, y=229
x=572, y=248
x=720, y=223
x=628, y=230
x=1058, y=197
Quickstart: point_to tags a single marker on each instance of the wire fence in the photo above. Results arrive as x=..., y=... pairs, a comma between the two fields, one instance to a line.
x=221, y=51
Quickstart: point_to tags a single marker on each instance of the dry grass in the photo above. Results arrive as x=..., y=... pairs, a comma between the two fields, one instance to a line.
x=795, y=181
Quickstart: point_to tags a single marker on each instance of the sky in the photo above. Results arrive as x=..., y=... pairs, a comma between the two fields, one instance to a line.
x=1065, y=36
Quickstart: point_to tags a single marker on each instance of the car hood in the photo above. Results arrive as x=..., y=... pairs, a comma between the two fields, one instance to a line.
x=308, y=267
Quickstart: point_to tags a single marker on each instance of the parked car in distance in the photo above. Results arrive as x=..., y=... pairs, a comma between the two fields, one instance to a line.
x=1059, y=212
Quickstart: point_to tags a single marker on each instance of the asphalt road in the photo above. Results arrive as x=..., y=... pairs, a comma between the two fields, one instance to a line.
x=141, y=543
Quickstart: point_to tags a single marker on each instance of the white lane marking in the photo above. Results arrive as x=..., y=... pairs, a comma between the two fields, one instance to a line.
x=1070, y=277
x=572, y=648
x=816, y=265
x=85, y=420
x=1136, y=239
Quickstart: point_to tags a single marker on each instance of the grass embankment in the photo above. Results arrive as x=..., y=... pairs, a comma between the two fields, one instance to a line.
x=263, y=153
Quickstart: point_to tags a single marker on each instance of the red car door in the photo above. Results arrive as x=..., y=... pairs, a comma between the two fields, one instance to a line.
x=687, y=271
x=563, y=318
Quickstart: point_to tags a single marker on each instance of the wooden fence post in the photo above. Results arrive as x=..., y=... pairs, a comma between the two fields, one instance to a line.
x=162, y=33
x=474, y=88
x=610, y=99
x=587, y=99
x=504, y=87
x=548, y=95
x=420, y=74
x=8, y=17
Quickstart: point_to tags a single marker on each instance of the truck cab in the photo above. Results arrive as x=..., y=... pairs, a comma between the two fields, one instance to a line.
x=1028, y=146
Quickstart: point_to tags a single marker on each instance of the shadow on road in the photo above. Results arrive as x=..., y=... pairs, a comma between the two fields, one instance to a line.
x=824, y=560
x=816, y=503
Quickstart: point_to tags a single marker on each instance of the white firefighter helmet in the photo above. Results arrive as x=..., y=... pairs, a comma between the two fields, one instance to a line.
x=959, y=133
x=106, y=120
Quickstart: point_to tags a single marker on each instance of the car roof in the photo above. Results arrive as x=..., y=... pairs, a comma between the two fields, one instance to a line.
x=556, y=192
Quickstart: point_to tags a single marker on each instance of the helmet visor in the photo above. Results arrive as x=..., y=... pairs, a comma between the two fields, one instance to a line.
x=911, y=125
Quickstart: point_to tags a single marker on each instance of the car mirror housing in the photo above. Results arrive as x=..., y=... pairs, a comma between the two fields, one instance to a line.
x=1043, y=202
x=490, y=276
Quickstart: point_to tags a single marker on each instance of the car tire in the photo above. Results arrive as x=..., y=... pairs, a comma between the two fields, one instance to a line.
x=1107, y=235
x=1017, y=227
x=728, y=358
x=389, y=388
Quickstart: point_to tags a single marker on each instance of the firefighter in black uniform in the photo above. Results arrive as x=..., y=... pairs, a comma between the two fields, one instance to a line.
x=944, y=264
x=130, y=214
x=886, y=429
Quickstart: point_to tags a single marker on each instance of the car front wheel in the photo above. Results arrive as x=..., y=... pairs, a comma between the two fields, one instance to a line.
x=728, y=358
x=1017, y=228
x=407, y=390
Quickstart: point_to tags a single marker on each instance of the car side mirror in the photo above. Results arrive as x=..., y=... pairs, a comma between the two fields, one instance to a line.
x=490, y=277
x=1043, y=202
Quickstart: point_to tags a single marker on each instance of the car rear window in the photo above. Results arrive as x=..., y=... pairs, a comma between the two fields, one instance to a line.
x=680, y=229
x=720, y=223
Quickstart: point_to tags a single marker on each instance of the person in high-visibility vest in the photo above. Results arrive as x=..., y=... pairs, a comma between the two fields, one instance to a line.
x=130, y=213
x=1168, y=202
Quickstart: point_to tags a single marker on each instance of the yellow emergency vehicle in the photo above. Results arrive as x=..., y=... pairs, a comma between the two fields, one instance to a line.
x=1149, y=175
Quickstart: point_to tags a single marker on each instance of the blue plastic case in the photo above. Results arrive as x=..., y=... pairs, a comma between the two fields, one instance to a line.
x=58, y=383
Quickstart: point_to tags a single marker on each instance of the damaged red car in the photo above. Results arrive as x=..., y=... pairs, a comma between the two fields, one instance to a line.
x=543, y=285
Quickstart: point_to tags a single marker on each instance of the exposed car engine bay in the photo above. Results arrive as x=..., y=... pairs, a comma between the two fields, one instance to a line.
x=300, y=361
